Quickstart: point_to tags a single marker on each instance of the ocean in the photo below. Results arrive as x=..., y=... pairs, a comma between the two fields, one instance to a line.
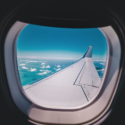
x=32, y=70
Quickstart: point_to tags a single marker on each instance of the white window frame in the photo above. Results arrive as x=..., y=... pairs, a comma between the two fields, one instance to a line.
x=86, y=115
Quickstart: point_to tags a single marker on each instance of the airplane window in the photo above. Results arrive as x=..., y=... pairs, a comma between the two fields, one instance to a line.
x=61, y=67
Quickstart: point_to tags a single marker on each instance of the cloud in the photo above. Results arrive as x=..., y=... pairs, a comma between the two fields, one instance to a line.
x=48, y=66
x=33, y=69
x=101, y=70
x=58, y=66
x=24, y=67
x=22, y=64
x=33, y=61
x=30, y=61
x=102, y=63
x=42, y=73
x=43, y=63
x=58, y=69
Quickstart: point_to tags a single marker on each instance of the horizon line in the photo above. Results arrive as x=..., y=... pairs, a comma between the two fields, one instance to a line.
x=32, y=57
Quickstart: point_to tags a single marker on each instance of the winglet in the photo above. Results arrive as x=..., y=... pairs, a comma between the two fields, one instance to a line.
x=88, y=53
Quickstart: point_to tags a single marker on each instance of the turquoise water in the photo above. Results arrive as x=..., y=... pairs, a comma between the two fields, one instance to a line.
x=100, y=67
x=32, y=70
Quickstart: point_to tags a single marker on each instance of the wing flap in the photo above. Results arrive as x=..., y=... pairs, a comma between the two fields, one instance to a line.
x=89, y=75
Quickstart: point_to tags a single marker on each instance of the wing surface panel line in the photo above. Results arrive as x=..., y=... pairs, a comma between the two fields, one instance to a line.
x=85, y=93
x=79, y=73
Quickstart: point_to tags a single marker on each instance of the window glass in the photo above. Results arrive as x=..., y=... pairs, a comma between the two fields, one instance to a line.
x=61, y=67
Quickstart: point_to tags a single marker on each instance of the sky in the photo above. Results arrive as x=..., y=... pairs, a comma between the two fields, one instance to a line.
x=53, y=42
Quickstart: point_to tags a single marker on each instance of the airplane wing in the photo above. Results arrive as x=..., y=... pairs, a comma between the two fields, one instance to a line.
x=72, y=86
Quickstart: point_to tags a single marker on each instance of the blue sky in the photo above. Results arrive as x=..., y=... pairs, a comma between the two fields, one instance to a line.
x=52, y=42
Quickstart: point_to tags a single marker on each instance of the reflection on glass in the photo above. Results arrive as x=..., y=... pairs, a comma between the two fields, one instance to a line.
x=61, y=67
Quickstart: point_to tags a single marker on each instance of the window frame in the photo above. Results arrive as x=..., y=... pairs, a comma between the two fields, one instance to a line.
x=48, y=111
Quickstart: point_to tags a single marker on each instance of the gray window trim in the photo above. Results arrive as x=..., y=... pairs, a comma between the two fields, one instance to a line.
x=87, y=115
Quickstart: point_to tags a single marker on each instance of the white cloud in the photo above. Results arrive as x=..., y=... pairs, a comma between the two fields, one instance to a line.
x=27, y=61
x=33, y=69
x=22, y=64
x=45, y=71
x=58, y=69
x=33, y=61
x=24, y=67
x=48, y=66
x=101, y=70
x=58, y=66
x=102, y=63
x=42, y=73
x=43, y=63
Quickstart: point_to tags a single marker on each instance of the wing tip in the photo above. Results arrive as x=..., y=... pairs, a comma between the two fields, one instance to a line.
x=88, y=52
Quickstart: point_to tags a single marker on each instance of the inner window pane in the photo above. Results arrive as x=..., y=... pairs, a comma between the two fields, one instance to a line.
x=61, y=67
